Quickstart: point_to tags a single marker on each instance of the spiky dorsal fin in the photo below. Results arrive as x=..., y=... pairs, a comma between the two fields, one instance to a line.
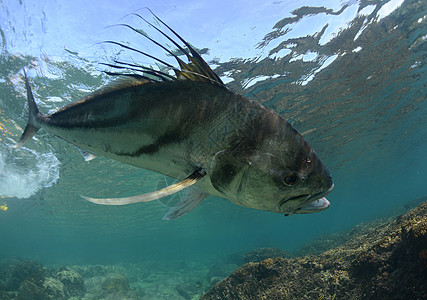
x=195, y=70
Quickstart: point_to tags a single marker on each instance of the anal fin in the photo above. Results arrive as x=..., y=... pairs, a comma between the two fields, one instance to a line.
x=169, y=190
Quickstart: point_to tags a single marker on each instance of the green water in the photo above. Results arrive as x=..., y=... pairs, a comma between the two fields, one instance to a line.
x=351, y=77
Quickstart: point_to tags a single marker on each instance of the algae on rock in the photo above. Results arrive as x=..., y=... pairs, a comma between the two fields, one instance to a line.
x=388, y=261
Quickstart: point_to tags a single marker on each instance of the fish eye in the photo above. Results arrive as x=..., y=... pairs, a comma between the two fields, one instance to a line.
x=290, y=179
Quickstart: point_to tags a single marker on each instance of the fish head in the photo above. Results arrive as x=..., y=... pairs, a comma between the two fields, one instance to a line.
x=277, y=172
x=282, y=174
x=285, y=175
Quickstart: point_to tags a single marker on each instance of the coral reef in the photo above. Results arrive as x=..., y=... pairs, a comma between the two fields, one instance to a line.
x=29, y=290
x=383, y=262
x=55, y=289
x=72, y=281
x=23, y=280
x=25, y=271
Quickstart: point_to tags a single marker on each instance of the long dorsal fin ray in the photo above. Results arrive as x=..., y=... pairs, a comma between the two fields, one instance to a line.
x=198, y=62
x=156, y=75
x=140, y=52
x=195, y=70
x=169, y=190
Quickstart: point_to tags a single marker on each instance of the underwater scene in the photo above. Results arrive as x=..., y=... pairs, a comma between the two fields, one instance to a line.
x=168, y=180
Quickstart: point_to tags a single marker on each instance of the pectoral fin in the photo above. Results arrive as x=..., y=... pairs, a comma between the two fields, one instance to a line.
x=169, y=190
x=190, y=202
x=87, y=155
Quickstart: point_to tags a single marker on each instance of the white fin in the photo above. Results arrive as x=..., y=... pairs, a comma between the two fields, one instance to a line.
x=169, y=190
x=193, y=199
x=87, y=155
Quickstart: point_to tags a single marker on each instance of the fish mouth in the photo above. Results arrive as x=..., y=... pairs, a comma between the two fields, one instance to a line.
x=314, y=206
x=310, y=203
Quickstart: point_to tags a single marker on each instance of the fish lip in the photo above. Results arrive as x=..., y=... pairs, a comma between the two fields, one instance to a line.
x=302, y=198
x=321, y=194
x=306, y=198
x=294, y=198
x=314, y=206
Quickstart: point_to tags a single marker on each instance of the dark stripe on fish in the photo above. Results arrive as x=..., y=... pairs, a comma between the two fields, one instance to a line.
x=166, y=139
x=95, y=124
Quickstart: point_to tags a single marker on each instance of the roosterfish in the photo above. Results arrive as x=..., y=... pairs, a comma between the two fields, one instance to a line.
x=186, y=124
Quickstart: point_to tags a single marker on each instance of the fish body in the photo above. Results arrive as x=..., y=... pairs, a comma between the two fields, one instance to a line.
x=231, y=146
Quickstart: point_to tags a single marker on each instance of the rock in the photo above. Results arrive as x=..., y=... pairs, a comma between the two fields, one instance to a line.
x=114, y=283
x=73, y=282
x=110, y=287
x=28, y=290
x=93, y=286
x=6, y=295
x=26, y=270
x=55, y=289
x=264, y=253
x=383, y=262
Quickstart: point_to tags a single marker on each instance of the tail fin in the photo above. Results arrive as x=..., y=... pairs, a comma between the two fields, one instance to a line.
x=32, y=126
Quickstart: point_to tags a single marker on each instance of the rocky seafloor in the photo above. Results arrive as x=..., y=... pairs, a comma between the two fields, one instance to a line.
x=384, y=259
x=28, y=280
